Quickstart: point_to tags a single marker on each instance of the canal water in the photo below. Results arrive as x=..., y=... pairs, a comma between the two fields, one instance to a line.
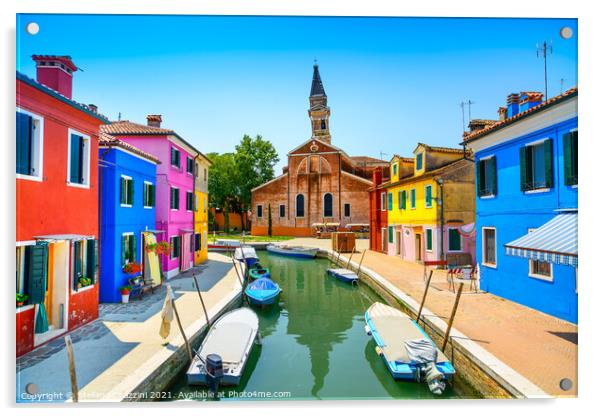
x=314, y=345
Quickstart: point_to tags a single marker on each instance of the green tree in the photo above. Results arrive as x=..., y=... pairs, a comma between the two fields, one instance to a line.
x=222, y=183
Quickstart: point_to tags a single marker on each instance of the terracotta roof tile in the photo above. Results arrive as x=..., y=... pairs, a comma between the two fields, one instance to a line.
x=442, y=149
x=127, y=127
x=367, y=159
x=106, y=139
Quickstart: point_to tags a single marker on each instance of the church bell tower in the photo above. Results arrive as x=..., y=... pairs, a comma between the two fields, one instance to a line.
x=319, y=112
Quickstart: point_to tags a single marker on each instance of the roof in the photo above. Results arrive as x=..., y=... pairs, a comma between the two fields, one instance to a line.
x=367, y=159
x=573, y=92
x=555, y=241
x=107, y=140
x=403, y=159
x=316, y=83
x=427, y=174
x=441, y=149
x=64, y=59
x=82, y=107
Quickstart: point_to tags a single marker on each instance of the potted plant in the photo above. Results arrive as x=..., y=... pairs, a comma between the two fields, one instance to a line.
x=125, y=293
x=84, y=281
x=162, y=248
x=150, y=248
x=132, y=268
x=21, y=298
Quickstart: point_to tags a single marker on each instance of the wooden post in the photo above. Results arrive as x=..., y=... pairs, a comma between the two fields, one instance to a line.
x=350, y=256
x=237, y=274
x=359, y=267
x=453, y=315
x=72, y=374
x=338, y=257
x=426, y=289
x=173, y=305
x=198, y=290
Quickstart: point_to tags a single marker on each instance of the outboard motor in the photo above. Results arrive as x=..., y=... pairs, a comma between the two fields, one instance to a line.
x=215, y=372
x=424, y=355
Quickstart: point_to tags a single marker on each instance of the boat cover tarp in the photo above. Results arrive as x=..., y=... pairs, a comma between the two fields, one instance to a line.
x=343, y=272
x=245, y=252
x=229, y=341
x=263, y=284
x=421, y=351
x=553, y=242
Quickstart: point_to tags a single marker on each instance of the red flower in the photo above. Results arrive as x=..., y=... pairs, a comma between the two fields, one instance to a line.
x=132, y=268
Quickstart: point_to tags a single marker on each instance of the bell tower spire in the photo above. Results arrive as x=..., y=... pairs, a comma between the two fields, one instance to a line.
x=319, y=112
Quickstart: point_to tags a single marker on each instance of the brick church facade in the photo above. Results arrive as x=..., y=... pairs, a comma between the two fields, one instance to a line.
x=320, y=184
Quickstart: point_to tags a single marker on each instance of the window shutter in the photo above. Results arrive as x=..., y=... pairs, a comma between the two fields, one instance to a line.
x=390, y=199
x=123, y=249
x=390, y=234
x=523, y=169
x=493, y=174
x=37, y=268
x=403, y=199
x=428, y=196
x=133, y=252
x=549, y=153
x=74, y=161
x=569, y=141
x=429, y=239
x=152, y=195
x=80, y=170
x=77, y=263
x=24, y=143
x=481, y=177
x=130, y=183
x=91, y=260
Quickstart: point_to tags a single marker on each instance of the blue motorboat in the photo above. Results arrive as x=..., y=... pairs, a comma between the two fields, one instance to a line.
x=262, y=291
x=257, y=271
x=408, y=352
x=344, y=275
x=246, y=255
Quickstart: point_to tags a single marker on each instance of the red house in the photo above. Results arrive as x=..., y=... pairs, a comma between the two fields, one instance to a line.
x=378, y=210
x=57, y=205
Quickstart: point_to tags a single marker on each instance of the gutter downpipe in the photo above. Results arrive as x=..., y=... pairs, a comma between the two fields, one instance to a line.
x=441, y=221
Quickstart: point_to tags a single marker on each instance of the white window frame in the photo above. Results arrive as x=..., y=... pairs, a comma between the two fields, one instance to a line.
x=426, y=240
x=127, y=178
x=449, y=250
x=534, y=275
x=144, y=190
x=539, y=142
x=38, y=145
x=170, y=188
x=189, y=210
x=383, y=201
x=415, y=198
x=193, y=165
x=483, y=248
x=171, y=246
x=170, y=161
x=425, y=203
x=86, y=168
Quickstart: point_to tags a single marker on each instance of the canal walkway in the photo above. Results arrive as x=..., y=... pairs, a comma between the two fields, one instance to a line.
x=539, y=347
x=121, y=349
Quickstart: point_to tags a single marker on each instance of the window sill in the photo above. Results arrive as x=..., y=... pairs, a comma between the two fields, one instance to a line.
x=542, y=277
x=148, y=207
x=490, y=196
x=83, y=289
x=490, y=265
x=537, y=191
x=125, y=205
x=79, y=185
x=24, y=308
x=575, y=186
x=29, y=177
x=175, y=209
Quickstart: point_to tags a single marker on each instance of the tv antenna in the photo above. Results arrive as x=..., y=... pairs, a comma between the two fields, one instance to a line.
x=543, y=51
x=464, y=104
x=382, y=154
x=561, y=85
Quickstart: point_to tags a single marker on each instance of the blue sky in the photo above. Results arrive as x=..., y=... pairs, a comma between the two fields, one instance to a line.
x=391, y=82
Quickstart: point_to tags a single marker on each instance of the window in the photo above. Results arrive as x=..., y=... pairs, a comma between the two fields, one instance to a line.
x=328, y=205
x=454, y=240
x=536, y=170
x=30, y=131
x=189, y=201
x=489, y=247
x=540, y=269
x=174, y=198
x=569, y=141
x=32, y=272
x=128, y=248
x=149, y=195
x=259, y=211
x=175, y=242
x=347, y=210
x=205, y=173
x=487, y=177
x=79, y=159
x=282, y=210
x=403, y=196
x=175, y=157
x=429, y=239
x=85, y=260
x=21, y=263
x=419, y=161
x=413, y=198
x=197, y=242
x=383, y=201
x=127, y=191
x=391, y=235
x=323, y=125
x=190, y=165
x=300, y=204
x=428, y=196
x=390, y=199
x=395, y=169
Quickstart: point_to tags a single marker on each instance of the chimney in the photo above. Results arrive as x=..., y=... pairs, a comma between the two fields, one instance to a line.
x=154, y=120
x=503, y=112
x=529, y=100
x=377, y=176
x=56, y=72
x=512, y=102
x=477, y=124
x=93, y=108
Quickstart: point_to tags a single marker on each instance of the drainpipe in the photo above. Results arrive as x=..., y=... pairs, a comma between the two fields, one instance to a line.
x=101, y=157
x=441, y=221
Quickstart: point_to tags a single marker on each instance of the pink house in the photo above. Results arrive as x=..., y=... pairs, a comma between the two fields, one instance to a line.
x=175, y=186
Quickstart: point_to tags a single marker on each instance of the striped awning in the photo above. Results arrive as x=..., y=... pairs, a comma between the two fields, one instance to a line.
x=554, y=242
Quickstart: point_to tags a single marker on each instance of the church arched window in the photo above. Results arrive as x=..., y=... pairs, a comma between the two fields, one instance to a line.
x=328, y=205
x=300, y=205
x=323, y=126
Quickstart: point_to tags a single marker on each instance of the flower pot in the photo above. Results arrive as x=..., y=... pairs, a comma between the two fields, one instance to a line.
x=125, y=297
x=19, y=304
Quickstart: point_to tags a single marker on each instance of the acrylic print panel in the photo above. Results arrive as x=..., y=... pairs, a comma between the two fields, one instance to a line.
x=383, y=156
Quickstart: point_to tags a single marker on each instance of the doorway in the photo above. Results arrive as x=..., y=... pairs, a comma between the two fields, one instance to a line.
x=398, y=240
x=418, y=247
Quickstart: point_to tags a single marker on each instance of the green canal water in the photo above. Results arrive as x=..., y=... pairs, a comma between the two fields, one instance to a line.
x=314, y=345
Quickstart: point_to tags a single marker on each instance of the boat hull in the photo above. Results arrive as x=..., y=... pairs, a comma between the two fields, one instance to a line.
x=255, y=274
x=301, y=254
x=348, y=277
x=270, y=300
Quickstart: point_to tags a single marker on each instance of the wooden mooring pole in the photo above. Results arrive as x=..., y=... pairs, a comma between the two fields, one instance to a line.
x=359, y=267
x=198, y=290
x=453, y=315
x=350, y=256
x=72, y=374
x=426, y=289
x=175, y=310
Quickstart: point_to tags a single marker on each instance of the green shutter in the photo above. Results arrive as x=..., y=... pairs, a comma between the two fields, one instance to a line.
x=428, y=195
x=153, y=195
x=77, y=262
x=454, y=240
x=390, y=234
x=549, y=153
x=403, y=199
x=91, y=260
x=481, y=185
x=569, y=141
x=412, y=198
x=130, y=183
x=390, y=200
x=132, y=248
x=24, y=143
x=123, y=249
x=429, y=239
x=493, y=174
x=172, y=198
x=122, y=198
x=37, y=269
x=75, y=161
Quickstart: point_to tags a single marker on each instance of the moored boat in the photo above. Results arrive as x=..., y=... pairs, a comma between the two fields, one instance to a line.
x=224, y=352
x=263, y=291
x=246, y=255
x=344, y=275
x=224, y=245
x=257, y=271
x=293, y=251
x=408, y=352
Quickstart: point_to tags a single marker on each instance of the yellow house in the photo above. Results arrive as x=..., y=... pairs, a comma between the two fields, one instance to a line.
x=201, y=208
x=430, y=204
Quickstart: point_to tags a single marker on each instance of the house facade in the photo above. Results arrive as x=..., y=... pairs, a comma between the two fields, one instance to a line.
x=320, y=184
x=430, y=206
x=127, y=183
x=201, y=208
x=527, y=188
x=56, y=205
x=175, y=196
x=378, y=210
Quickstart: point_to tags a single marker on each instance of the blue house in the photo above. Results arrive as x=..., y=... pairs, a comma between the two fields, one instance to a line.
x=526, y=208
x=127, y=182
